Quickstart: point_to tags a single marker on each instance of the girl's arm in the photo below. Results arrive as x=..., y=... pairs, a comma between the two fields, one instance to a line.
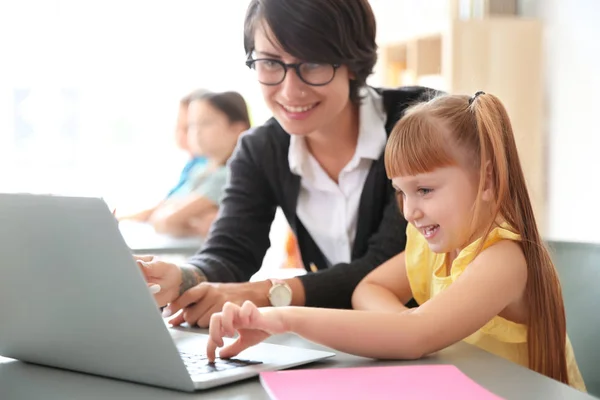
x=201, y=225
x=141, y=216
x=493, y=281
x=384, y=289
x=174, y=217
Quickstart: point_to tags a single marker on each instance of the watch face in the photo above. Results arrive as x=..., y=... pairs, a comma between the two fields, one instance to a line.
x=280, y=296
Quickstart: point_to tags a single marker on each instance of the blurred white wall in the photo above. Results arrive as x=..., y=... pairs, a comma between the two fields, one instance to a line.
x=572, y=47
x=115, y=71
x=400, y=19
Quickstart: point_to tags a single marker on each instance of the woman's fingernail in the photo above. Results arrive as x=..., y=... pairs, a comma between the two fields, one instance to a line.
x=167, y=312
x=154, y=288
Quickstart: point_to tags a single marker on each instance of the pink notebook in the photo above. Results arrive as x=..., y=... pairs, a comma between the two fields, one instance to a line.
x=403, y=382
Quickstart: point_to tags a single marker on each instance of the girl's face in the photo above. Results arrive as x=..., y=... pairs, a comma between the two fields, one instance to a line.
x=300, y=108
x=182, y=128
x=209, y=132
x=440, y=204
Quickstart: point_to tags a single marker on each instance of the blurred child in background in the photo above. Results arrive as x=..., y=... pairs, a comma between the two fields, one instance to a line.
x=182, y=143
x=214, y=123
x=181, y=138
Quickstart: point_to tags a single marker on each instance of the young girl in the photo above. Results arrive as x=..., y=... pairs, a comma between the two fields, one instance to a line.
x=474, y=260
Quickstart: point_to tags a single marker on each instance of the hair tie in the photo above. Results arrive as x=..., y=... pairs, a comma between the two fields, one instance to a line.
x=472, y=99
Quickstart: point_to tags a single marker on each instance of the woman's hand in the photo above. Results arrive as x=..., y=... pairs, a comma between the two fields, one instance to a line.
x=253, y=325
x=164, y=279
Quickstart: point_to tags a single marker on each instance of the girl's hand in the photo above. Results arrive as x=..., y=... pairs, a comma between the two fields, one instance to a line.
x=253, y=325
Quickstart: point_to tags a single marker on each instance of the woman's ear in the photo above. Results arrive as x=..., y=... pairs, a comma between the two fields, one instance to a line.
x=351, y=75
x=489, y=189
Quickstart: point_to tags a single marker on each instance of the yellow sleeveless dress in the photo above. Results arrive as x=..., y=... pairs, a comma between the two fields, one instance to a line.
x=427, y=277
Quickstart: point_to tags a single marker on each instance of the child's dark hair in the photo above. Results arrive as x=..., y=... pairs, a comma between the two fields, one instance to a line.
x=323, y=31
x=196, y=94
x=230, y=103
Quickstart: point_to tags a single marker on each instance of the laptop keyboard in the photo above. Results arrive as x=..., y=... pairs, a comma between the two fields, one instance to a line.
x=197, y=364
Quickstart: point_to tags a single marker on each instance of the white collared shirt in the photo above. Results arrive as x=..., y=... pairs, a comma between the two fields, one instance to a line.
x=329, y=211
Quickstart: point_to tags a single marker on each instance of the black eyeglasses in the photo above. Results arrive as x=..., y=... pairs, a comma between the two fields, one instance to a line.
x=272, y=72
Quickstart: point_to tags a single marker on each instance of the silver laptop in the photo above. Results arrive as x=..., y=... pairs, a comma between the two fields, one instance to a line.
x=72, y=297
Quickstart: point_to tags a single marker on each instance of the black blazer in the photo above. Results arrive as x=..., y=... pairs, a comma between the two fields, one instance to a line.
x=261, y=180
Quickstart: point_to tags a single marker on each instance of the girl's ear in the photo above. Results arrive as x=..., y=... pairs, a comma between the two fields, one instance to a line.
x=489, y=190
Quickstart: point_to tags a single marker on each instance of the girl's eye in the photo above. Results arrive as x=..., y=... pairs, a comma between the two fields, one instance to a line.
x=424, y=191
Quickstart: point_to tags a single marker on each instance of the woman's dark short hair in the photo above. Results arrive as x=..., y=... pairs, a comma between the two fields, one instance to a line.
x=232, y=104
x=324, y=31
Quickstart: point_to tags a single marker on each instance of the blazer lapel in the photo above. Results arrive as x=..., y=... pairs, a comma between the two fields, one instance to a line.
x=370, y=207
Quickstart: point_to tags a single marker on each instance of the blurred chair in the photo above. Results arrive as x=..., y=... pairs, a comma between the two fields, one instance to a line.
x=293, y=259
x=578, y=266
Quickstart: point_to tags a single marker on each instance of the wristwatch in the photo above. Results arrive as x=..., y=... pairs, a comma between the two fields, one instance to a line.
x=280, y=294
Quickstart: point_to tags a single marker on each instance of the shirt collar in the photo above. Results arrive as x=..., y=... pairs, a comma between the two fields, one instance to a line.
x=297, y=154
x=372, y=136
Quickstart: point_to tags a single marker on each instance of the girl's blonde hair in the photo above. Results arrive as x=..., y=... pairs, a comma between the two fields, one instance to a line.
x=476, y=132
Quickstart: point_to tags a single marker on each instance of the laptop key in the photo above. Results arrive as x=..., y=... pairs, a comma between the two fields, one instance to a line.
x=242, y=363
x=201, y=370
x=197, y=364
x=224, y=366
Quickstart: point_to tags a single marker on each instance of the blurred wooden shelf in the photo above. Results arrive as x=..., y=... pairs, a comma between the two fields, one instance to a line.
x=500, y=55
x=407, y=61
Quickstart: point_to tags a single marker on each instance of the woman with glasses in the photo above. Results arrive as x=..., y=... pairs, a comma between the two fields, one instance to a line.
x=320, y=158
